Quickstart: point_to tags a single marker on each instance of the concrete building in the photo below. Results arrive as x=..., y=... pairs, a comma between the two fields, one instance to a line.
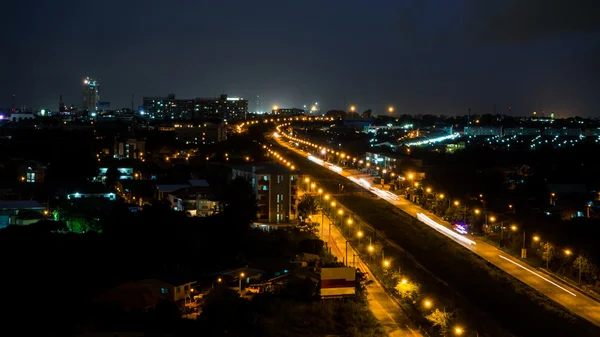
x=275, y=187
x=564, y=131
x=483, y=131
x=288, y=112
x=129, y=148
x=198, y=134
x=172, y=108
x=91, y=94
x=522, y=131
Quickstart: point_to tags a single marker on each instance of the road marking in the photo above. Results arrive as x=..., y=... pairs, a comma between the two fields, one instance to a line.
x=536, y=274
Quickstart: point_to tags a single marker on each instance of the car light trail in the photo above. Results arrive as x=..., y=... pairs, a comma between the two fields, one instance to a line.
x=433, y=140
x=363, y=182
x=315, y=160
x=536, y=274
x=334, y=168
x=449, y=233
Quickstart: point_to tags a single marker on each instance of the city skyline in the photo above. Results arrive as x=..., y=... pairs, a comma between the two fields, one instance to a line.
x=420, y=57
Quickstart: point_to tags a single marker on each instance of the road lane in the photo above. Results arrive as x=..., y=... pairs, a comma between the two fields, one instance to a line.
x=385, y=309
x=560, y=292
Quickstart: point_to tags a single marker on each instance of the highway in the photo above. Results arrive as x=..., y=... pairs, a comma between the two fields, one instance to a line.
x=562, y=293
x=384, y=308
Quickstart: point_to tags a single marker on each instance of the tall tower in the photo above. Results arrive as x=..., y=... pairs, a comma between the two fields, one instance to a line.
x=91, y=94
x=257, y=105
x=61, y=105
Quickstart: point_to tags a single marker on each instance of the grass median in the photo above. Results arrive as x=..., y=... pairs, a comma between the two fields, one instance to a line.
x=516, y=306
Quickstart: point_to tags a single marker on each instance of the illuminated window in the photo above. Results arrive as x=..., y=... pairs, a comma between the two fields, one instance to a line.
x=30, y=177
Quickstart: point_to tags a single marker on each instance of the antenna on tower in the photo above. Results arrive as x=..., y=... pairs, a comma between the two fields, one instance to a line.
x=13, y=101
x=469, y=117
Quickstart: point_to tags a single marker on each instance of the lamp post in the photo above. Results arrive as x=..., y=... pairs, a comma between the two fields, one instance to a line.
x=240, y=279
x=347, y=263
x=524, y=249
x=349, y=222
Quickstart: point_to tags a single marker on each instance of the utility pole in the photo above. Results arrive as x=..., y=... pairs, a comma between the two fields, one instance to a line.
x=347, y=263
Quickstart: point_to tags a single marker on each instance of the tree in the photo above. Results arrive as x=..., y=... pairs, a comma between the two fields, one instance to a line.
x=440, y=319
x=408, y=290
x=240, y=201
x=223, y=312
x=308, y=205
x=309, y=227
x=112, y=176
x=546, y=252
x=584, y=266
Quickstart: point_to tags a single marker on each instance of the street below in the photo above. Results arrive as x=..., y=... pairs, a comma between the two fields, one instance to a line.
x=560, y=292
x=384, y=308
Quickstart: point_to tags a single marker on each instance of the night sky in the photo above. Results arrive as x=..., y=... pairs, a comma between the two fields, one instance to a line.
x=422, y=56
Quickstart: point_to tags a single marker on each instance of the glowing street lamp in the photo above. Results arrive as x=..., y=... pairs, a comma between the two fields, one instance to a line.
x=386, y=263
x=458, y=331
x=427, y=304
x=390, y=109
x=240, y=279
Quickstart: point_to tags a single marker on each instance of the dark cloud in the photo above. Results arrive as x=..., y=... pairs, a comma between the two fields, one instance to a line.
x=517, y=21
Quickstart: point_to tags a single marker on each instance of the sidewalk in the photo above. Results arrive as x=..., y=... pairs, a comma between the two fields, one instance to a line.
x=384, y=308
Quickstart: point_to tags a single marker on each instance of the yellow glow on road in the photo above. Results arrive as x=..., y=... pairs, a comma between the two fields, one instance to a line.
x=536, y=274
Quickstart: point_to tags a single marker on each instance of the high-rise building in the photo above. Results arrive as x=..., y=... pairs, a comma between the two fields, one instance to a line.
x=91, y=94
x=276, y=189
x=172, y=108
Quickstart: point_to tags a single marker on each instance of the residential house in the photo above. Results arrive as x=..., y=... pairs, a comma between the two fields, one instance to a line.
x=146, y=294
x=195, y=200
x=163, y=190
x=21, y=212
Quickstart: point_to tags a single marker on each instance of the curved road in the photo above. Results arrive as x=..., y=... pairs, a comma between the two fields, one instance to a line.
x=560, y=292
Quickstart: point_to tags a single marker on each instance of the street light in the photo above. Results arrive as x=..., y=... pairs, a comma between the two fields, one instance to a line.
x=458, y=331
x=386, y=263
x=428, y=304
x=477, y=211
x=241, y=276
x=536, y=238
x=568, y=252
x=456, y=203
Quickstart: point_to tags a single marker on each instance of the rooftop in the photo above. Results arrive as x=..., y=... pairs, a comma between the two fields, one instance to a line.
x=264, y=168
x=21, y=204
